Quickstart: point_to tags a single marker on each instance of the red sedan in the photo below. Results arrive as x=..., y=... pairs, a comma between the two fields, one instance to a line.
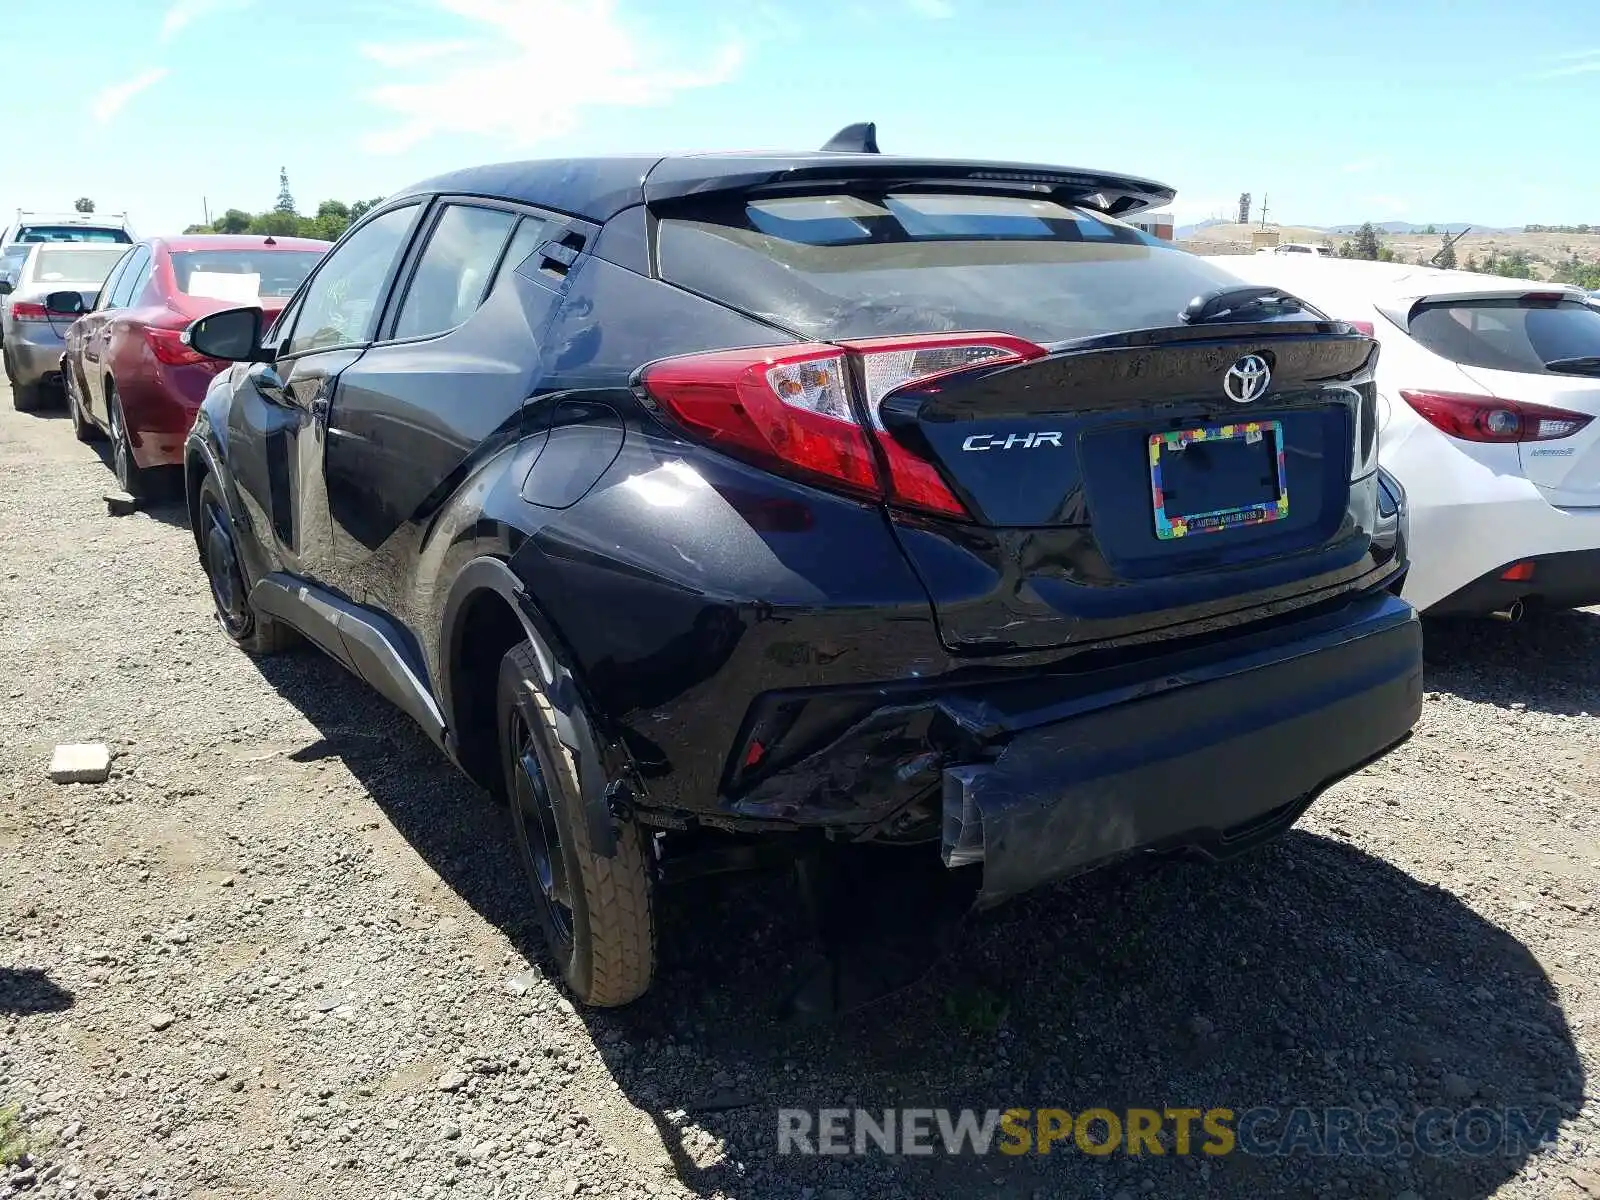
x=127, y=371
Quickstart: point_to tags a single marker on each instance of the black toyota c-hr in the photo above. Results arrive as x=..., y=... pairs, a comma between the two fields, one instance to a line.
x=836, y=496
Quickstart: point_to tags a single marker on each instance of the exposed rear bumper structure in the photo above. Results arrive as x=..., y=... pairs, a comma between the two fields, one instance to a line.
x=1209, y=748
x=1214, y=765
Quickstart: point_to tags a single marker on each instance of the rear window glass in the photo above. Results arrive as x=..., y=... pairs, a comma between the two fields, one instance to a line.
x=242, y=275
x=72, y=233
x=77, y=264
x=856, y=265
x=1509, y=335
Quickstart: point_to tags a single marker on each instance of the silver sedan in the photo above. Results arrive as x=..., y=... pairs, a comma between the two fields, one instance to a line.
x=32, y=338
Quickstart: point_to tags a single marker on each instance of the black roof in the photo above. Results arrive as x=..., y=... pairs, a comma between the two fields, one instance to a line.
x=598, y=188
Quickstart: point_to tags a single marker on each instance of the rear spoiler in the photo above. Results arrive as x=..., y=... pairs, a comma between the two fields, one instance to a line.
x=712, y=175
x=1402, y=309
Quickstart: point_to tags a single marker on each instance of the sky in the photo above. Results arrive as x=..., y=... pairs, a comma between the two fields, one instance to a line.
x=1416, y=110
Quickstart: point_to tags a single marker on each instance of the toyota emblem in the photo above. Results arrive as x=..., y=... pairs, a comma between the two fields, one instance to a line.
x=1247, y=379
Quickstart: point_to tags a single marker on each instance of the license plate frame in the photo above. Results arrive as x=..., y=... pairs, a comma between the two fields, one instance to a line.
x=1169, y=527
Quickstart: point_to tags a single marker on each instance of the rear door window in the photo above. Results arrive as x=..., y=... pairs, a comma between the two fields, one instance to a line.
x=134, y=276
x=864, y=265
x=453, y=274
x=1515, y=334
x=11, y=260
x=108, y=289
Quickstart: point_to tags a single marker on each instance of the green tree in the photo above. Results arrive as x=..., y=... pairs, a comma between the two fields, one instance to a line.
x=1430, y=231
x=1385, y=254
x=83, y=204
x=285, y=202
x=361, y=207
x=1584, y=275
x=1346, y=250
x=1514, y=265
x=332, y=219
x=1471, y=264
x=235, y=220
x=276, y=224
x=1366, y=242
x=1446, y=257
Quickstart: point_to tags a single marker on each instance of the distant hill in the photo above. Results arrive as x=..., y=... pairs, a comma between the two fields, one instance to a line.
x=1407, y=227
x=1545, y=251
x=1183, y=231
x=1438, y=227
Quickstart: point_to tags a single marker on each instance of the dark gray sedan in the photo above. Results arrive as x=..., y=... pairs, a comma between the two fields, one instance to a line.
x=31, y=336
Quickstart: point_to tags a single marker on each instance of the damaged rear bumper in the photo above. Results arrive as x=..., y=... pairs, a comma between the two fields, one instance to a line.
x=1214, y=759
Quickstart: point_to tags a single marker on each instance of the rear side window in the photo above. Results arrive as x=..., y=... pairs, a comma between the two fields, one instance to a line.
x=453, y=273
x=1515, y=334
x=855, y=265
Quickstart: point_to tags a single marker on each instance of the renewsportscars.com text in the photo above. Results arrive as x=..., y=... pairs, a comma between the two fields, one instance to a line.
x=1265, y=1131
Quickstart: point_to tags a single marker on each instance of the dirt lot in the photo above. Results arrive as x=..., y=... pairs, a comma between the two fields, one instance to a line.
x=285, y=952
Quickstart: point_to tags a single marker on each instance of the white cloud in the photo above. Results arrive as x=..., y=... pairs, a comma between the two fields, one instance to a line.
x=412, y=54
x=183, y=13
x=1580, y=68
x=937, y=10
x=519, y=81
x=111, y=100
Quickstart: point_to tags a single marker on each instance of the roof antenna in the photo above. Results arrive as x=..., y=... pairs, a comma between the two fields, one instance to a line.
x=860, y=138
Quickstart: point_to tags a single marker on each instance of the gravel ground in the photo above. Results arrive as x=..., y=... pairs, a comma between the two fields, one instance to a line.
x=286, y=952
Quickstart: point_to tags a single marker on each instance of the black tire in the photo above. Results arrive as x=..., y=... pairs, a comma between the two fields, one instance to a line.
x=131, y=477
x=595, y=911
x=25, y=397
x=83, y=429
x=251, y=631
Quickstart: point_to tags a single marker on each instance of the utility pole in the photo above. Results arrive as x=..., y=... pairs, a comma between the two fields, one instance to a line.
x=1263, y=210
x=205, y=207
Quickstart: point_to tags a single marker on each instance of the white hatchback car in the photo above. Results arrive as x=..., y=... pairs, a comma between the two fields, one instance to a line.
x=1489, y=390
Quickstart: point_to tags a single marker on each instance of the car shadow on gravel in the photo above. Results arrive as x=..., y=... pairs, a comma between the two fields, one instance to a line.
x=1310, y=976
x=27, y=991
x=1542, y=662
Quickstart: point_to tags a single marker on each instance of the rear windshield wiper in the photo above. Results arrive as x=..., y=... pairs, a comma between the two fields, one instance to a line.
x=1232, y=304
x=1588, y=364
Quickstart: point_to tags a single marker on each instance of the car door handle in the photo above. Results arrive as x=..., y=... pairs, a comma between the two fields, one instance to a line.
x=319, y=409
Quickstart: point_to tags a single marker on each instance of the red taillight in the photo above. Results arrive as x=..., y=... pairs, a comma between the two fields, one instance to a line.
x=1366, y=327
x=1487, y=419
x=27, y=310
x=168, y=346
x=1519, y=572
x=796, y=409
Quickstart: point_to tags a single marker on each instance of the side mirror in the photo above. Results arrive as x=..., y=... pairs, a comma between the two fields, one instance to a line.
x=234, y=334
x=64, y=304
x=6, y=287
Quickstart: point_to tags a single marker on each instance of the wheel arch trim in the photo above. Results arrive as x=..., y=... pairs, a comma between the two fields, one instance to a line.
x=573, y=724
